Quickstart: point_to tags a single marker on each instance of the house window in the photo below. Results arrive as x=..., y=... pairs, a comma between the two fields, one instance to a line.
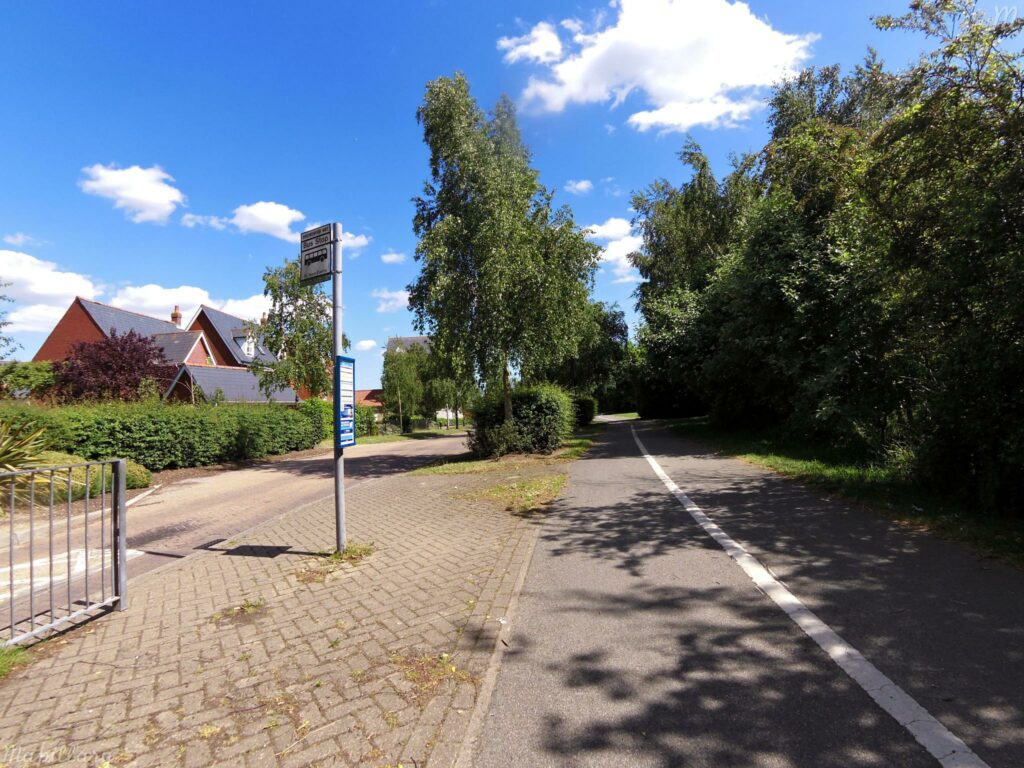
x=248, y=345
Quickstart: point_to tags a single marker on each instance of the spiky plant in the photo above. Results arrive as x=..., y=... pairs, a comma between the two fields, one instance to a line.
x=20, y=447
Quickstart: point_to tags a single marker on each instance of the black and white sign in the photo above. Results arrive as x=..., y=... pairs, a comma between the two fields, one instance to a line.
x=316, y=255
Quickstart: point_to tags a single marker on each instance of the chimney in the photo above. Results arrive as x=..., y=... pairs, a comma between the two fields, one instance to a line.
x=176, y=316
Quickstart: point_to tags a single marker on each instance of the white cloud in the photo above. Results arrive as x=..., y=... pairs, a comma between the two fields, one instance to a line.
x=159, y=301
x=268, y=218
x=143, y=193
x=20, y=238
x=35, y=318
x=391, y=257
x=354, y=242
x=365, y=345
x=251, y=308
x=390, y=301
x=191, y=220
x=613, y=229
x=33, y=279
x=540, y=44
x=41, y=291
x=695, y=62
x=580, y=187
x=619, y=242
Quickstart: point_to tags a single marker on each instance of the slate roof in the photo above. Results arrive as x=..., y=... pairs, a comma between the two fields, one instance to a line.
x=405, y=342
x=177, y=345
x=122, y=321
x=228, y=327
x=239, y=385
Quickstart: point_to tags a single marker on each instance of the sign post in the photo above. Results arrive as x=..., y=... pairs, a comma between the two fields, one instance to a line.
x=319, y=261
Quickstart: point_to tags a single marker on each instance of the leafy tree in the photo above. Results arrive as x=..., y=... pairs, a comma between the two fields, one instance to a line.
x=114, y=368
x=604, y=338
x=298, y=332
x=402, y=382
x=7, y=342
x=504, y=276
x=860, y=281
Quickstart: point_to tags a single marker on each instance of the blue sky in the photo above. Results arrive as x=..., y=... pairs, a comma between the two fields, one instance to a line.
x=162, y=153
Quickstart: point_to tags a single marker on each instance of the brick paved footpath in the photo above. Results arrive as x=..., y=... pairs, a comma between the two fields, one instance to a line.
x=344, y=672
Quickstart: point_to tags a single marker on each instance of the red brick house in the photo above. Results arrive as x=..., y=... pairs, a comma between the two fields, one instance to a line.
x=212, y=355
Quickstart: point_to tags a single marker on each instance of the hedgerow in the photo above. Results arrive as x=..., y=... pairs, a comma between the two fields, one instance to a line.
x=161, y=436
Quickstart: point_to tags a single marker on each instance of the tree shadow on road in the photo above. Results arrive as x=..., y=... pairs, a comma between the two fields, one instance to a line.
x=945, y=626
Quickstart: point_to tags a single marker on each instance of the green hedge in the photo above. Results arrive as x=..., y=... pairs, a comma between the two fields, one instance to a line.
x=366, y=421
x=162, y=436
x=321, y=416
x=542, y=417
x=584, y=408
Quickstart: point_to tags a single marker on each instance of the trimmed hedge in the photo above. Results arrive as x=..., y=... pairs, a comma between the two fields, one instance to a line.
x=585, y=409
x=542, y=417
x=321, y=415
x=163, y=436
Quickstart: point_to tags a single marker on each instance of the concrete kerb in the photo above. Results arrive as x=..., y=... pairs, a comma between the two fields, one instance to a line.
x=464, y=757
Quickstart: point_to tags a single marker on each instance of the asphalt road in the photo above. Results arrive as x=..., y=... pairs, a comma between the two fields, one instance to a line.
x=639, y=641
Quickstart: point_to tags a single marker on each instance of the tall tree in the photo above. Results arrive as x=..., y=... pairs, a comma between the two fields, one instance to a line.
x=504, y=276
x=402, y=382
x=297, y=331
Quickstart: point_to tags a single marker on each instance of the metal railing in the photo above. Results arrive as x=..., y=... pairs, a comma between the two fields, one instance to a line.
x=67, y=551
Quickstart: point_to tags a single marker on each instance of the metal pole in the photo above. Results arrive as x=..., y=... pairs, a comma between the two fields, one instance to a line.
x=339, y=452
x=119, y=533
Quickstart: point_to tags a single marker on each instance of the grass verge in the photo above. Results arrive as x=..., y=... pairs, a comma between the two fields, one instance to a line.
x=880, y=488
x=622, y=416
x=12, y=656
x=467, y=464
x=524, y=498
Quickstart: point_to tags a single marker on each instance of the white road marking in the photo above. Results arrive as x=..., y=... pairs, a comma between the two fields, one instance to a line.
x=23, y=584
x=941, y=743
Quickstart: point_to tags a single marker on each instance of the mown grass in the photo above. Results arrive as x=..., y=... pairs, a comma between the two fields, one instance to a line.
x=879, y=487
x=421, y=434
x=467, y=464
x=622, y=416
x=524, y=498
x=12, y=656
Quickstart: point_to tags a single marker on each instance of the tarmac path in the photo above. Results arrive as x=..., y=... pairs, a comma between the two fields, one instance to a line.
x=639, y=640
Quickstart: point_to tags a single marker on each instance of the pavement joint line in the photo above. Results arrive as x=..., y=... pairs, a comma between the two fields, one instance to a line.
x=940, y=742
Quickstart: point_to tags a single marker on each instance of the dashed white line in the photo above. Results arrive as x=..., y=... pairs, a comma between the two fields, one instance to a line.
x=941, y=743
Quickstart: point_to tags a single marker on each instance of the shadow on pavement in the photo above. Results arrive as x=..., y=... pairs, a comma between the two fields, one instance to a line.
x=945, y=625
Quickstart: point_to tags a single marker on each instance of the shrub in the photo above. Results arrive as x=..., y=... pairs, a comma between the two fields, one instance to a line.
x=366, y=421
x=18, y=379
x=169, y=436
x=584, y=408
x=542, y=417
x=100, y=480
x=321, y=416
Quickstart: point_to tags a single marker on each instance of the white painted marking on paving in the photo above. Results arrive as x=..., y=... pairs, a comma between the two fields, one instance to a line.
x=61, y=575
x=942, y=744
